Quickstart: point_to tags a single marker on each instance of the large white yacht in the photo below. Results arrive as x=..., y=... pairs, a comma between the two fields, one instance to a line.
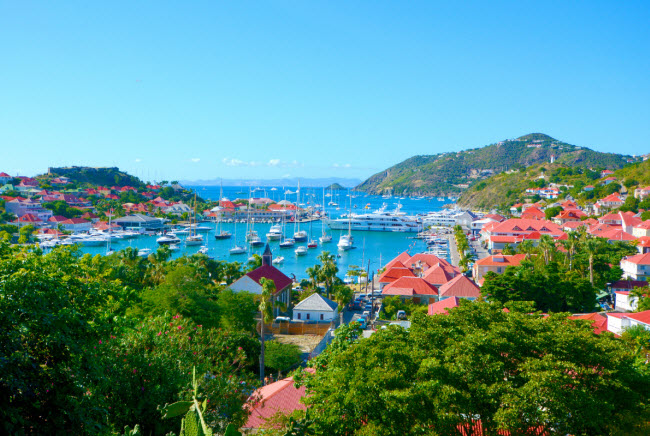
x=379, y=220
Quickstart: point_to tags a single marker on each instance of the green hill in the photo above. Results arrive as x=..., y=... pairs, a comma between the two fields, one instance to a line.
x=96, y=176
x=452, y=173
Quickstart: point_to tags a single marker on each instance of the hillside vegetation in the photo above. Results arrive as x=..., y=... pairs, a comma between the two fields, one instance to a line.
x=98, y=176
x=503, y=190
x=450, y=173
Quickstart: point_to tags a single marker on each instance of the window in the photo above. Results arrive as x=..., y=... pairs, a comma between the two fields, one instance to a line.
x=307, y=316
x=299, y=314
x=321, y=317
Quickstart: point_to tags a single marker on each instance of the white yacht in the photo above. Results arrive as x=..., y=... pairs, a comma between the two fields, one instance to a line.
x=168, y=239
x=194, y=240
x=278, y=260
x=345, y=242
x=237, y=249
x=287, y=243
x=380, y=221
x=301, y=251
x=144, y=252
x=275, y=233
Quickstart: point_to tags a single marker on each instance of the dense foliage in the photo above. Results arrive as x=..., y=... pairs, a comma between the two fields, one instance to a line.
x=478, y=366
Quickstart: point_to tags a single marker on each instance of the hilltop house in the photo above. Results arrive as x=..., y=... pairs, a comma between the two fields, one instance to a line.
x=612, y=201
x=20, y=207
x=642, y=193
x=5, y=178
x=516, y=230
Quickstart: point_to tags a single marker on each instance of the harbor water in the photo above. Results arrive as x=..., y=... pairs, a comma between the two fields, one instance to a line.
x=372, y=249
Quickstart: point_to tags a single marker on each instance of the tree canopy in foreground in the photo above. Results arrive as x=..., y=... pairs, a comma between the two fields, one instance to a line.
x=479, y=366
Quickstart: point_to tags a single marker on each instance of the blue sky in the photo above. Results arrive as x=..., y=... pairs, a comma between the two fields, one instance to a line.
x=200, y=90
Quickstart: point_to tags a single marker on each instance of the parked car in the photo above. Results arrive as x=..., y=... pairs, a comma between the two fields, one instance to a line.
x=401, y=314
x=282, y=319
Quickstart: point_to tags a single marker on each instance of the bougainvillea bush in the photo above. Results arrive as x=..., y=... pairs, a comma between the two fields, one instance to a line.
x=142, y=368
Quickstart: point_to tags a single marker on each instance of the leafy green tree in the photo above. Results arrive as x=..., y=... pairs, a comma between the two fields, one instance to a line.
x=551, y=212
x=141, y=368
x=237, y=310
x=328, y=270
x=280, y=357
x=514, y=372
x=51, y=308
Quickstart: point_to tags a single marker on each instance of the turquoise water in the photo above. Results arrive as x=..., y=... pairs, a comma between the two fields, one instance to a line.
x=374, y=247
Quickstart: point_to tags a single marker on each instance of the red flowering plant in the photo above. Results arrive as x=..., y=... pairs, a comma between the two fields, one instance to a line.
x=145, y=367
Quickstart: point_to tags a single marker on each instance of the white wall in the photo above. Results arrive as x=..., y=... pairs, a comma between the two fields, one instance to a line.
x=314, y=315
x=626, y=302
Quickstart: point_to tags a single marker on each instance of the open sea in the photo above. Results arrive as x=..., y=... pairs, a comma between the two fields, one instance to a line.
x=374, y=247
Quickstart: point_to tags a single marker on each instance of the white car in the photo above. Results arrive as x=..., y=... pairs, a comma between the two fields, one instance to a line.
x=282, y=319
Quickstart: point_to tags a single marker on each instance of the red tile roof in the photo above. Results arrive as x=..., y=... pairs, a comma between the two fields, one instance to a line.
x=643, y=225
x=270, y=272
x=4, y=175
x=28, y=218
x=501, y=260
x=643, y=241
x=57, y=219
x=409, y=286
x=612, y=198
x=402, y=258
x=533, y=213
x=616, y=235
x=394, y=273
x=437, y=275
x=75, y=221
x=524, y=226
x=442, y=307
x=460, y=286
x=639, y=259
x=281, y=396
x=643, y=317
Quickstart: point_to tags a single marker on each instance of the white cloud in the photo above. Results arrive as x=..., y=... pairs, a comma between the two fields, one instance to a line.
x=273, y=162
x=234, y=162
x=138, y=160
x=195, y=159
x=341, y=166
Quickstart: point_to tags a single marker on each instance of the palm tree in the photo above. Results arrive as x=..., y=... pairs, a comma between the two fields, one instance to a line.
x=591, y=245
x=314, y=273
x=328, y=270
x=268, y=289
x=570, y=245
x=525, y=247
x=547, y=247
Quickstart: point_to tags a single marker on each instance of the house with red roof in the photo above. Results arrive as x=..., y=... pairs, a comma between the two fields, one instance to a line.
x=516, y=230
x=28, y=219
x=77, y=225
x=20, y=206
x=56, y=219
x=393, y=273
x=616, y=234
x=623, y=298
x=515, y=209
x=90, y=217
x=442, y=307
x=570, y=226
x=605, y=173
x=608, y=180
x=636, y=267
x=439, y=274
x=617, y=323
x=496, y=264
x=641, y=229
x=533, y=213
x=460, y=286
x=569, y=215
x=250, y=282
x=280, y=397
x=5, y=178
x=412, y=288
x=612, y=201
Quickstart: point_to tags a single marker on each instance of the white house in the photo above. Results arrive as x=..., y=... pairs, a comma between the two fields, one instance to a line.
x=315, y=308
x=636, y=267
x=77, y=225
x=617, y=323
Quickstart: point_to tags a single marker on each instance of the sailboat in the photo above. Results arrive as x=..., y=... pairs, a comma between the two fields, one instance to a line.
x=221, y=234
x=193, y=238
x=237, y=249
x=286, y=242
x=312, y=242
x=109, y=250
x=299, y=235
x=346, y=241
x=325, y=238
